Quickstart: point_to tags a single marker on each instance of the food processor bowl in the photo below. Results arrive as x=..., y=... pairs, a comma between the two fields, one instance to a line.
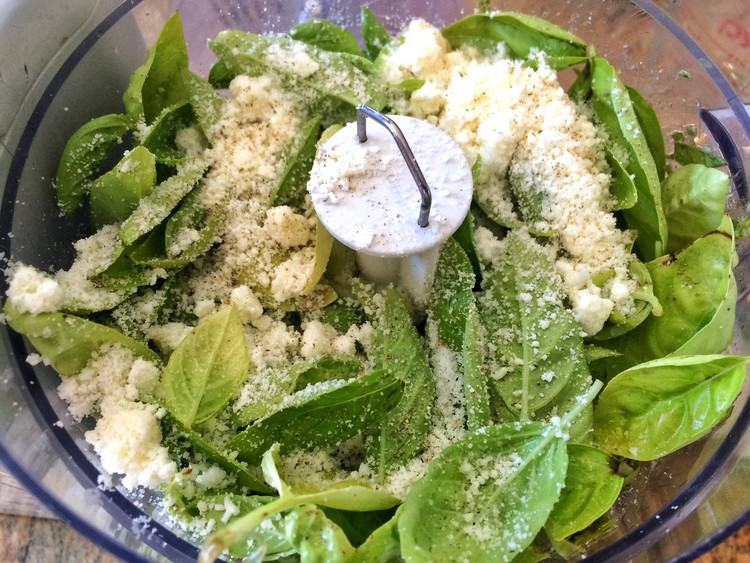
x=64, y=63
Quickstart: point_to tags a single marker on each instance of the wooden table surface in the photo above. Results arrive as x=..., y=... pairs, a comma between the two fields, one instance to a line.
x=42, y=539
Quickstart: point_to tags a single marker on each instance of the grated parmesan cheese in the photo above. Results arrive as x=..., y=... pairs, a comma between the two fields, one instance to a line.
x=33, y=291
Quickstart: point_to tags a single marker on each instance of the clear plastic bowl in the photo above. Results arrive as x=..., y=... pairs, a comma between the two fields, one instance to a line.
x=63, y=63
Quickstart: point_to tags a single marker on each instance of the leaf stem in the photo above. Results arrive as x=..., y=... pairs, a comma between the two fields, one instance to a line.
x=581, y=403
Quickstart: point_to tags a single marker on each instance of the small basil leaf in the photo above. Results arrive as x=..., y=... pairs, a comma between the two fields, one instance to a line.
x=688, y=153
x=451, y=293
x=207, y=369
x=400, y=352
x=115, y=195
x=324, y=420
x=157, y=84
x=68, y=342
x=323, y=369
x=475, y=384
x=465, y=237
x=206, y=102
x=178, y=438
x=651, y=128
x=485, y=497
x=161, y=135
x=382, y=546
x=695, y=199
x=658, y=407
x=326, y=35
x=220, y=76
x=292, y=185
x=623, y=186
x=323, y=247
x=375, y=35
x=344, y=313
x=83, y=155
x=358, y=526
x=591, y=488
x=314, y=537
x=157, y=206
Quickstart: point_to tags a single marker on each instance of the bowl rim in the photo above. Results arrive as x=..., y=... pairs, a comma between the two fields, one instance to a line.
x=167, y=543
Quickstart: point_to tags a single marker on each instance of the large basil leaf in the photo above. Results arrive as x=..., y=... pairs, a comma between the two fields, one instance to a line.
x=326, y=35
x=178, y=438
x=83, y=155
x=538, y=347
x=335, y=75
x=375, y=35
x=157, y=84
x=157, y=206
x=485, y=497
x=615, y=111
x=324, y=420
x=451, y=293
x=591, y=488
x=115, y=195
x=695, y=199
x=68, y=342
x=687, y=152
x=292, y=185
x=207, y=368
x=697, y=292
x=649, y=122
x=342, y=496
x=400, y=352
x=522, y=35
x=658, y=407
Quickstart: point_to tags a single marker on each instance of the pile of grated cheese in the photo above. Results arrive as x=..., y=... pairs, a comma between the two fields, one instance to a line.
x=524, y=129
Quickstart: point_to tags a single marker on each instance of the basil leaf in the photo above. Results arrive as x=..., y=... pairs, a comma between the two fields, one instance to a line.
x=83, y=155
x=358, y=526
x=219, y=76
x=344, y=313
x=67, y=342
x=649, y=122
x=324, y=420
x=451, y=294
x=622, y=186
x=465, y=237
x=645, y=304
x=115, y=195
x=292, y=186
x=591, y=488
x=522, y=35
x=207, y=369
x=157, y=84
x=375, y=35
x=538, y=344
x=399, y=351
x=658, y=407
x=314, y=537
x=323, y=369
x=323, y=246
x=485, y=497
x=688, y=153
x=178, y=438
x=160, y=138
x=326, y=35
x=595, y=353
x=343, y=496
x=475, y=384
x=382, y=546
x=332, y=75
x=698, y=291
x=695, y=199
x=206, y=102
x=157, y=206
x=615, y=111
